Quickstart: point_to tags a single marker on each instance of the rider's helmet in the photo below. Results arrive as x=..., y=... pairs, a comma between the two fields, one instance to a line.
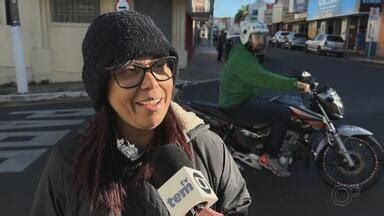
x=256, y=31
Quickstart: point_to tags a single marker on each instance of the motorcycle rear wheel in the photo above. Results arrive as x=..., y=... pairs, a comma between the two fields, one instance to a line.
x=367, y=157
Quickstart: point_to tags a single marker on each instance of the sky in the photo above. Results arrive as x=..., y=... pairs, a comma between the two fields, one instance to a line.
x=228, y=8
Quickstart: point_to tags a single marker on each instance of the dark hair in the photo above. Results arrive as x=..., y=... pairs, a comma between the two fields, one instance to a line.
x=99, y=165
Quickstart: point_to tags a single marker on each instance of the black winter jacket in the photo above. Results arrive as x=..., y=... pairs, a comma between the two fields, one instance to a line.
x=56, y=194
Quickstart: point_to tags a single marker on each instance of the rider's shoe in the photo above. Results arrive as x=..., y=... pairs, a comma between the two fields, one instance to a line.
x=274, y=165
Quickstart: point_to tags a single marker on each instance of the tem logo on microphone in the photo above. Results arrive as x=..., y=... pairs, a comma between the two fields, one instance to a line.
x=186, y=188
x=202, y=183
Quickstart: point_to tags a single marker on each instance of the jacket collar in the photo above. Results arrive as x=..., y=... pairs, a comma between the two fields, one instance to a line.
x=190, y=123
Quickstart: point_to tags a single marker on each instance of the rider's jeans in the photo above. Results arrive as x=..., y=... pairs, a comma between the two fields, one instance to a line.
x=259, y=111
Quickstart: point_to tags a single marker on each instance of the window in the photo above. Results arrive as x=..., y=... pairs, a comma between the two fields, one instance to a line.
x=300, y=35
x=74, y=11
x=335, y=38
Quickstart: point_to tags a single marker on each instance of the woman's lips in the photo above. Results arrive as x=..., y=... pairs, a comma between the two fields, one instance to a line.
x=152, y=104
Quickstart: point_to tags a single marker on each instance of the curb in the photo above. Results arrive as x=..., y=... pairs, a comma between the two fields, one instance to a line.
x=368, y=60
x=41, y=96
x=185, y=83
x=74, y=94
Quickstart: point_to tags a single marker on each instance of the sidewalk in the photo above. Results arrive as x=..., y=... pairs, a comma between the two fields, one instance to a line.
x=43, y=92
x=360, y=57
x=202, y=67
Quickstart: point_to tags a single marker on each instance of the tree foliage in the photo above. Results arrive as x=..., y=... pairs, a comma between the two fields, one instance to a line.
x=241, y=14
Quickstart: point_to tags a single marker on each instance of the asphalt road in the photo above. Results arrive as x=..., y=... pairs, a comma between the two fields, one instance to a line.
x=304, y=193
x=28, y=131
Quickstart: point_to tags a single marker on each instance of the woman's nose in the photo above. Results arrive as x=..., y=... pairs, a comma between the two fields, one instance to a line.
x=149, y=81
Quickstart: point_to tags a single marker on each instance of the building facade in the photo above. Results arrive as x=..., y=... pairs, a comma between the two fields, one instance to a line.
x=53, y=30
x=281, y=19
x=380, y=44
x=299, y=10
x=347, y=18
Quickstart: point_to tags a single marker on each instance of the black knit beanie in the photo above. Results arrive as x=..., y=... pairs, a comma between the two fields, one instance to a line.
x=111, y=41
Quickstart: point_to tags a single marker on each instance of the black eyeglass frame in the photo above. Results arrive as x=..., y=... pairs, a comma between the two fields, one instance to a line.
x=149, y=69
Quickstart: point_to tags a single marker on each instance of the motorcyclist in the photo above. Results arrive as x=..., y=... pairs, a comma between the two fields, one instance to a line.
x=242, y=82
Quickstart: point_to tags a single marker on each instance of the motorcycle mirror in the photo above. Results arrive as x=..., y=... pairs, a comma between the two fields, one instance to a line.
x=306, y=74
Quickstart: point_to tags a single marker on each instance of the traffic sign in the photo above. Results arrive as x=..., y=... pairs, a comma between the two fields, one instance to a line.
x=122, y=5
x=374, y=13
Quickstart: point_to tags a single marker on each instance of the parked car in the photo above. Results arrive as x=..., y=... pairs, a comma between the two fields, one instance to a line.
x=295, y=40
x=326, y=44
x=279, y=38
x=234, y=39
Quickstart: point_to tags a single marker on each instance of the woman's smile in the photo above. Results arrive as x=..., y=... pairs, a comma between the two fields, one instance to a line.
x=151, y=104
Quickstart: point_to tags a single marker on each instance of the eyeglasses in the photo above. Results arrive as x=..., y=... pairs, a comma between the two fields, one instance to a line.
x=132, y=75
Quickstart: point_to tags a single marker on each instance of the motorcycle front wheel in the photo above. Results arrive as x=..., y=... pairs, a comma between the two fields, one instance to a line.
x=367, y=157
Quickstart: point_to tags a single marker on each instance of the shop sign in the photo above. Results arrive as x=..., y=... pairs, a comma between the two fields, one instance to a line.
x=297, y=6
x=371, y=1
x=321, y=9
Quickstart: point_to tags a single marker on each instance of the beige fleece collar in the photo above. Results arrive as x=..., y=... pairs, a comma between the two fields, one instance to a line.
x=187, y=120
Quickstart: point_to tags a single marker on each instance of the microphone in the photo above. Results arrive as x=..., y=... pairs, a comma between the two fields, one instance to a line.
x=183, y=189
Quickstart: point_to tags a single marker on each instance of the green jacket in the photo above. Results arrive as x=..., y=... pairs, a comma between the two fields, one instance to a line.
x=244, y=78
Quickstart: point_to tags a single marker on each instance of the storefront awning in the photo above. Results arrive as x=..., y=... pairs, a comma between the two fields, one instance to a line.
x=295, y=21
x=200, y=16
x=200, y=10
x=342, y=15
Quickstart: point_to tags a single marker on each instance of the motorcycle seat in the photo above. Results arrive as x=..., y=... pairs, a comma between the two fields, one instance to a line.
x=215, y=110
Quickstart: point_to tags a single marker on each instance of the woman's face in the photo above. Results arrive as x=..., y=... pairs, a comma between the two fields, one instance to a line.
x=142, y=107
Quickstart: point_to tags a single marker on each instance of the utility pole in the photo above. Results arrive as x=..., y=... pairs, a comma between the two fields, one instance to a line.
x=210, y=31
x=13, y=20
x=370, y=40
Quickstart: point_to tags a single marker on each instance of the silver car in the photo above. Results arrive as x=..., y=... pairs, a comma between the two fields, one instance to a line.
x=326, y=43
x=295, y=40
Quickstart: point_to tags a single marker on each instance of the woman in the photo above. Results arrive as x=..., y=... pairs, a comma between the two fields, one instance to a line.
x=106, y=170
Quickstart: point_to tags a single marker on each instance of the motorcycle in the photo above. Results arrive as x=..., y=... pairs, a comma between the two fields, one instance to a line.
x=345, y=155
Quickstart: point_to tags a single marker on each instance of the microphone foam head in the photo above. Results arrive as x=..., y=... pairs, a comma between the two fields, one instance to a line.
x=166, y=161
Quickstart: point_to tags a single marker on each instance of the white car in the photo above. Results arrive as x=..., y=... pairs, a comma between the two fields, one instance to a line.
x=326, y=43
x=279, y=38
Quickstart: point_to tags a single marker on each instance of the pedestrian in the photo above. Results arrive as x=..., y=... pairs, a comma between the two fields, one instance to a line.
x=220, y=45
x=91, y=172
x=360, y=41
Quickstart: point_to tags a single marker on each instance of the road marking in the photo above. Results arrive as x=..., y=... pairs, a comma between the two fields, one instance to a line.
x=7, y=125
x=56, y=113
x=18, y=160
x=31, y=138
